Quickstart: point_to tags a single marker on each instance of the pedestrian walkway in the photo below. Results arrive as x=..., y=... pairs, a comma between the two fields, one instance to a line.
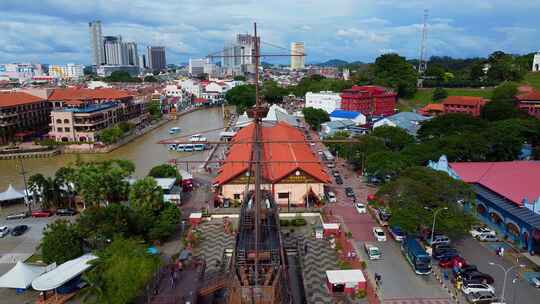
x=417, y=301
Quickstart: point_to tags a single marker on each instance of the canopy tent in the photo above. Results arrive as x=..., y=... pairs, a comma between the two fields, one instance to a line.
x=10, y=194
x=63, y=273
x=20, y=276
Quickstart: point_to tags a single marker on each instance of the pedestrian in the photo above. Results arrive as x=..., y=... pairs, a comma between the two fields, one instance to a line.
x=502, y=251
x=305, y=248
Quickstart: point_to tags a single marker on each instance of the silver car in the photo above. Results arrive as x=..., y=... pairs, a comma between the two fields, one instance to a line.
x=481, y=297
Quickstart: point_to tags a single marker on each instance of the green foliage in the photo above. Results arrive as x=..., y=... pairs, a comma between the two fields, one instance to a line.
x=121, y=76
x=439, y=94
x=154, y=109
x=420, y=187
x=284, y=223
x=164, y=171
x=150, y=78
x=120, y=272
x=242, y=97
x=317, y=83
x=299, y=222
x=505, y=92
x=47, y=188
x=61, y=242
x=394, y=138
x=111, y=135
x=315, y=117
x=505, y=67
x=240, y=78
x=449, y=124
x=392, y=70
x=502, y=105
x=166, y=223
x=146, y=193
x=125, y=127
x=384, y=164
x=272, y=93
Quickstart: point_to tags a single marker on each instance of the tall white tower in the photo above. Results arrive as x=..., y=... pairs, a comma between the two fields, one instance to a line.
x=536, y=63
x=96, y=43
x=297, y=60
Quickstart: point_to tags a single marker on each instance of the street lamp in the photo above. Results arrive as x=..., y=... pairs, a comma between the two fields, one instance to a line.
x=433, y=226
x=506, y=271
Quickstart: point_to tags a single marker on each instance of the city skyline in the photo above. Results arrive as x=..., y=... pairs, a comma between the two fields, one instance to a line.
x=57, y=31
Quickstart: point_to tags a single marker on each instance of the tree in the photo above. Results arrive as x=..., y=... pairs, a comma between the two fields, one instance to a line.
x=239, y=78
x=505, y=92
x=47, y=188
x=166, y=223
x=500, y=110
x=504, y=67
x=439, y=94
x=121, y=76
x=453, y=123
x=384, y=165
x=97, y=225
x=146, y=193
x=120, y=272
x=394, y=71
x=154, y=108
x=61, y=242
x=65, y=178
x=436, y=71
x=394, y=138
x=273, y=93
x=315, y=117
x=242, y=97
x=164, y=171
x=477, y=72
x=110, y=135
x=150, y=78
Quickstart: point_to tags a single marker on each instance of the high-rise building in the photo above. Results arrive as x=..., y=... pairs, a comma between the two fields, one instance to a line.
x=142, y=62
x=115, y=53
x=156, y=58
x=132, y=54
x=297, y=62
x=67, y=71
x=96, y=42
x=196, y=66
x=239, y=55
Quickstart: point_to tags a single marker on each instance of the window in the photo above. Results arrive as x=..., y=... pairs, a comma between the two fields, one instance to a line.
x=66, y=121
x=236, y=196
x=283, y=195
x=66, y=129
x=58, y=121
x=59, y=130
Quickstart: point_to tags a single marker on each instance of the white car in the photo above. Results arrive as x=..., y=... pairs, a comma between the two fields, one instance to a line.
x=360, y=208
x=535, y=281
x=478, y=231
x=4, y=230
x=379, y=234
x=488, y=238
x=470, y=288
x=332, y=197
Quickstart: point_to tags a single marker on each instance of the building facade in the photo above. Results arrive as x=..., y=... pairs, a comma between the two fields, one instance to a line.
x=536, y=63
x=106, y=70
x=132, y=54
x=22, y=114
x=96, y=43
x=196, y=67
x=157, y=61
x=324, y=100
x=67, y=71
x=297, y=58
x=369, y=100
x=463, y=104
x=115, y=52
x=529, y=103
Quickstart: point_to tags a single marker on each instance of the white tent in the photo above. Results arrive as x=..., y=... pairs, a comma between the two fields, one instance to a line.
x=10, y=194
x=20, y=276
x=63, y=273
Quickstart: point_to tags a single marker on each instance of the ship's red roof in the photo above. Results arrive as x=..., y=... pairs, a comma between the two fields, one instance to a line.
x=272, y=172
x=530, y=96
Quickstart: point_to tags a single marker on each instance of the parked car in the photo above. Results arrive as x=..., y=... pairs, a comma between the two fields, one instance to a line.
x=335, y=173
x=331, y=197
x=488, y=238
x=397, y=233
x=535, y=281
x=4, y=230
x=450, y=262
x=384, y=214
x=18, y=215
x=471, y=288
x=466, y=269
x=18, y=230
x=481, y=297
x=349, y=192
x=446, y=254
x=360, y=208
x=339, y=180
x=438, y=239
x=66, y=212
x=477, y=231
x=41, y=213
x=477, y=277
x=378, y=232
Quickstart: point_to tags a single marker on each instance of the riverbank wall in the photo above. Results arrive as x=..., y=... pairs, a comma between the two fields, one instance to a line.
x=30, y=154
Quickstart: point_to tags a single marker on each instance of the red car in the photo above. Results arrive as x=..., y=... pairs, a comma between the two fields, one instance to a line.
x=41, y=213
x=454, y=261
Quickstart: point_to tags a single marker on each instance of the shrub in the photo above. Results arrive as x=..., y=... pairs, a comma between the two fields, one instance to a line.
x=360, y=294
x=299, y=222
x=284, y=223
x=363, y=264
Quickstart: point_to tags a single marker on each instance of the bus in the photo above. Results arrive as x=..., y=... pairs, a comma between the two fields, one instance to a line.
x=417, y=257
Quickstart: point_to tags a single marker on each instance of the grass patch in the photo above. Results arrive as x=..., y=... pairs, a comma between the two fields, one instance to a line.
x=532, y=79
x=36, y=258
x=423, y=96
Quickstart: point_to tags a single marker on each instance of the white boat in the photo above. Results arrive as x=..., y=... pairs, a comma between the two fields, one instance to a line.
x=174, y=130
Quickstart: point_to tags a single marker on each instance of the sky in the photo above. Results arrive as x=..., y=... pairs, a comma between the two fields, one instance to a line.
x=56, y=31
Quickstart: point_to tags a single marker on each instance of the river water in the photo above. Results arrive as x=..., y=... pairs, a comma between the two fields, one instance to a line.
x=143, y=151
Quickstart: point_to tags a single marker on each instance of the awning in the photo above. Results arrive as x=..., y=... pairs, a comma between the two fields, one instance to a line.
x=345, y=276
x=63, y=273
x=20, y=276
x=10, y=194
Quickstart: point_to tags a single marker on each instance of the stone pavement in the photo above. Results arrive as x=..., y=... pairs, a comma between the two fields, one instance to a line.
x=214, y=241
x=417, y=301
x=319, y=258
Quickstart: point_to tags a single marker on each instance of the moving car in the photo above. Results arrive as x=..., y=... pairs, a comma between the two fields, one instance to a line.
x=477, y=277
x=450, y=262
x=18, y=230
x=19, y=215
x=360, y=208
x=481, y=297
x=471, y=288
x=372, y=251
x=349, y=192
x=378, y=232
x=438, y=239
x=339, y=180
x=65, y=212
x=488, y=238
x=477, y=231
x=41, y=213
x=397, y=233
x=4, y=230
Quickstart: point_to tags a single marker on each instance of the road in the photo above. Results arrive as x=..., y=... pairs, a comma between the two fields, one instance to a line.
x=400, y=284
x=519, y=293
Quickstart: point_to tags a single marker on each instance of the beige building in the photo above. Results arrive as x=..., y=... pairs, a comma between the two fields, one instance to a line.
x=298, y=58
x=290, y=181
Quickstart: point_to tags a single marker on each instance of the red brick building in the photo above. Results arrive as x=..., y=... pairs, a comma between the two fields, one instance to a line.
x=530, y=103
x=369, y=100
x=463, y=104
x=22, y=114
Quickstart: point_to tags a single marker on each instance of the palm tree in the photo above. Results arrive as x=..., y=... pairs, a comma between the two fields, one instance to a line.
x=94, y=292
x=48, y=189
x=65, y=178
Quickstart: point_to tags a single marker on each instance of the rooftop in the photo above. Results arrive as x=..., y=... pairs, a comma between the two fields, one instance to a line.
x=88, y=108
x=464, y=100
x=344, y=114
x=88, y=94
x=529, y=96
x=9, y=99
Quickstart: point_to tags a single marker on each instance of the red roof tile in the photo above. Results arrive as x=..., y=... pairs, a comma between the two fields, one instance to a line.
x=272, y=152
x=464, y=100
x=432, y=107
x=514, y=180
x=88, y=94
x=531, y=96
x=8, y=99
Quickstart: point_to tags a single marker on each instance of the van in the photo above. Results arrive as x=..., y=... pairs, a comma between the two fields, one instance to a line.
x=373, y=252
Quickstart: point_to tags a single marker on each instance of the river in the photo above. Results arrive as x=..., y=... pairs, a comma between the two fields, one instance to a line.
x=143, y=151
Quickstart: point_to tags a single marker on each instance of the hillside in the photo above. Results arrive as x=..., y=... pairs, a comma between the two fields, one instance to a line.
x=532, y=79
x=333, y=63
